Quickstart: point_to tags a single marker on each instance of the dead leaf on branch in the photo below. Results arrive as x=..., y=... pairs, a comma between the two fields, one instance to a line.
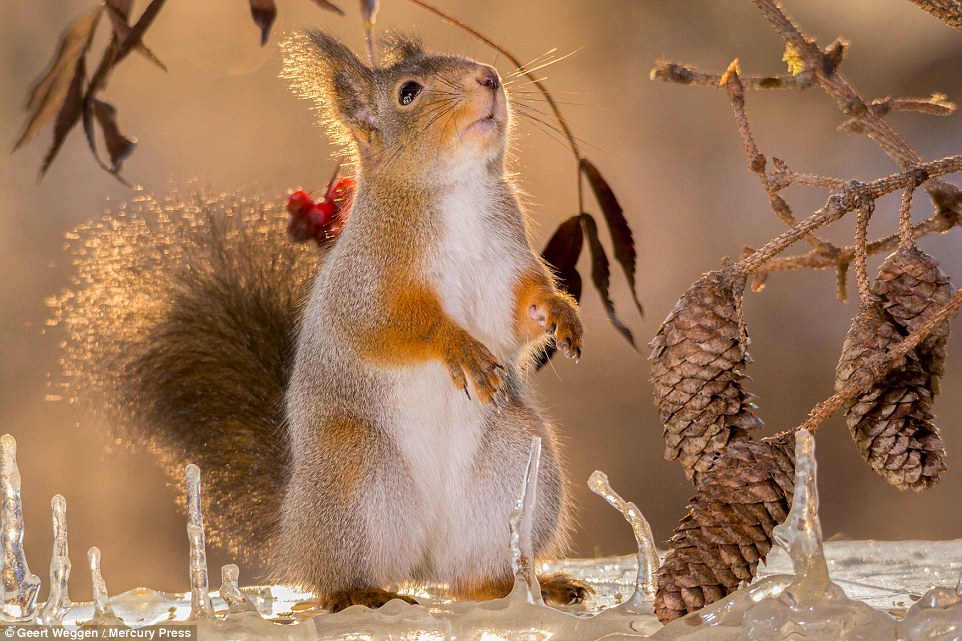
x=122, y=33
x=58, y=95
x=330, y=6
x=118, y=145
x=264, y=13
x=622, y=238
x=601, y=275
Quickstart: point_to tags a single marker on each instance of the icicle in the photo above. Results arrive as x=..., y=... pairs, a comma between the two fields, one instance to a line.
x=200, y=604
x=20, y=587
x=801, y=533
x=230, y=591
x=522, y=558
x=811, y=601
x=59, y=601
x=103, y=612
x=648, y=561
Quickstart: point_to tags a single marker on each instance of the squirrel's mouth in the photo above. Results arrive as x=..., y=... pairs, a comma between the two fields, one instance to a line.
x=485, y=123
x=490, y=120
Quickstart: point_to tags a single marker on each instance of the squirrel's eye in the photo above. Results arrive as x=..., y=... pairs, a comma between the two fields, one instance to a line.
x=408, y=92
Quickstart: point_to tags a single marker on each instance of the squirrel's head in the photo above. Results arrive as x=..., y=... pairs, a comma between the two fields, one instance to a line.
x=417, y=114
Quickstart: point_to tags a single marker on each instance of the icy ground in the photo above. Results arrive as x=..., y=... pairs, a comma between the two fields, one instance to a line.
x=845, y=590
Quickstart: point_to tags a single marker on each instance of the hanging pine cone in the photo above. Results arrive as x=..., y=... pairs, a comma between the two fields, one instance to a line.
x=911, y=288
x=698, y=359
x=891, y=423
x=728, y=528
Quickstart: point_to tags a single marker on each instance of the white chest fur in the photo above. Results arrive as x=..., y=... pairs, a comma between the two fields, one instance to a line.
x=476, y=266
x=437, y=428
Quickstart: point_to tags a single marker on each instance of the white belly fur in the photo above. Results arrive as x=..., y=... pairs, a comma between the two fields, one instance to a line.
x=460, y=530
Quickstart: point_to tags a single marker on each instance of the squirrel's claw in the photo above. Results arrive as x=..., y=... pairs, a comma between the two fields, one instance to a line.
x=560, y=319
x=475, y=362
x=563, y=590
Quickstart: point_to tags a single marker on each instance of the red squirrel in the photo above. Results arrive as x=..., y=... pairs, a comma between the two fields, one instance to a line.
x=362, y=413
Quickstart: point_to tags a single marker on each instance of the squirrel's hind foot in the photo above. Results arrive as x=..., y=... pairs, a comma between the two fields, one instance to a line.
x=368, y=597
x=556, y=589
x=561, y=589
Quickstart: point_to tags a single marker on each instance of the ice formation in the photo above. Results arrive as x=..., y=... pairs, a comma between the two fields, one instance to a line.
x=20, y=586
x=58, y=602
x=648, y=561
x=806, y=604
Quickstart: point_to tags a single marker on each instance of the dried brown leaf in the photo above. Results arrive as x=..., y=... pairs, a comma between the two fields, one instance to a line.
x=264, y=13
x=55, y=96
x=601, y=275
x=118, y=145
x=369, y=12
x=330, y=6
x=622, y=239
x=122, y=32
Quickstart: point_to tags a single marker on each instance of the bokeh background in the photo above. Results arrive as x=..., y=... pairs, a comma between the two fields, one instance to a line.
x=672, y=154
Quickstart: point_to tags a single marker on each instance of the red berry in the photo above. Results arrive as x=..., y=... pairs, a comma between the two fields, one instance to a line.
x=299, y=203
x=341, y=191
x=322, y=213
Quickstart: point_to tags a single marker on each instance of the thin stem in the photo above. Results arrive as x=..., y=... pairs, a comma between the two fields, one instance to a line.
x=863, y=215
x=906, y=239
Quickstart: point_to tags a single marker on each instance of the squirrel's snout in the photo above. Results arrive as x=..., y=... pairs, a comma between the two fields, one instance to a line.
x=488, y=77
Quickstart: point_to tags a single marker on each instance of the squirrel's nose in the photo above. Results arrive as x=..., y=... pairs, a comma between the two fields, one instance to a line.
x=489, y=78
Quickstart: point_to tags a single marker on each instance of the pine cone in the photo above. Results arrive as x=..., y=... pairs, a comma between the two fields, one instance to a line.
x=728, y=528
x=912, y=287
x=891, y=423
x=697, y=360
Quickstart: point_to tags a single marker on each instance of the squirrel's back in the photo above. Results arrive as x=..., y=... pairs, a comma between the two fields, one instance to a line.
x=181, y=327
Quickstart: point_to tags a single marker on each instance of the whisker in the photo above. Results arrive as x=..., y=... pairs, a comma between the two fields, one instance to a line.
x=520, y=70
x=542, y=100
x=555, y=60
x=530, y=81
x=537, y=116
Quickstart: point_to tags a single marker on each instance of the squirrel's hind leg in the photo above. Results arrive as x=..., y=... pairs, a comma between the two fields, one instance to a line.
x=347, y=489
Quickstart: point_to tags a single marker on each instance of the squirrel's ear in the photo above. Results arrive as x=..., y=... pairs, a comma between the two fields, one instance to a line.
x=397, y=47
x=323, y=68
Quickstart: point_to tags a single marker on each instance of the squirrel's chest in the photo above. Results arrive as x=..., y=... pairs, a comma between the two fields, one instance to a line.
x=474, y=270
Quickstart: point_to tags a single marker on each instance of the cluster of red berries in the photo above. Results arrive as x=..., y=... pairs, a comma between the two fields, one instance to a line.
x=322, y=220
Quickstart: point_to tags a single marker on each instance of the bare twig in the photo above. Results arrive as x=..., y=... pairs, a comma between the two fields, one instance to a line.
x=756, y=160
x=839, y=204
x=879, y=366
x=870, y=121
x=687, y=75
x=936, y=105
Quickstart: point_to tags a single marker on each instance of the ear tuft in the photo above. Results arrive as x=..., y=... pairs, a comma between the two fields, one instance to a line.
x=322, y=68
x=397, y=47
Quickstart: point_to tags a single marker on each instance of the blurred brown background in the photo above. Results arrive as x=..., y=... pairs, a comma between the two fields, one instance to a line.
x=672, y=154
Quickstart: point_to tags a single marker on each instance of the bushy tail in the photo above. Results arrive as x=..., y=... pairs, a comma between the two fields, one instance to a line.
x=181, y=323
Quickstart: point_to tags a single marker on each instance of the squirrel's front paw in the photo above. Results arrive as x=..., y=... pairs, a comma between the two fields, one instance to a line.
x=472, y=360
x=559, y=317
